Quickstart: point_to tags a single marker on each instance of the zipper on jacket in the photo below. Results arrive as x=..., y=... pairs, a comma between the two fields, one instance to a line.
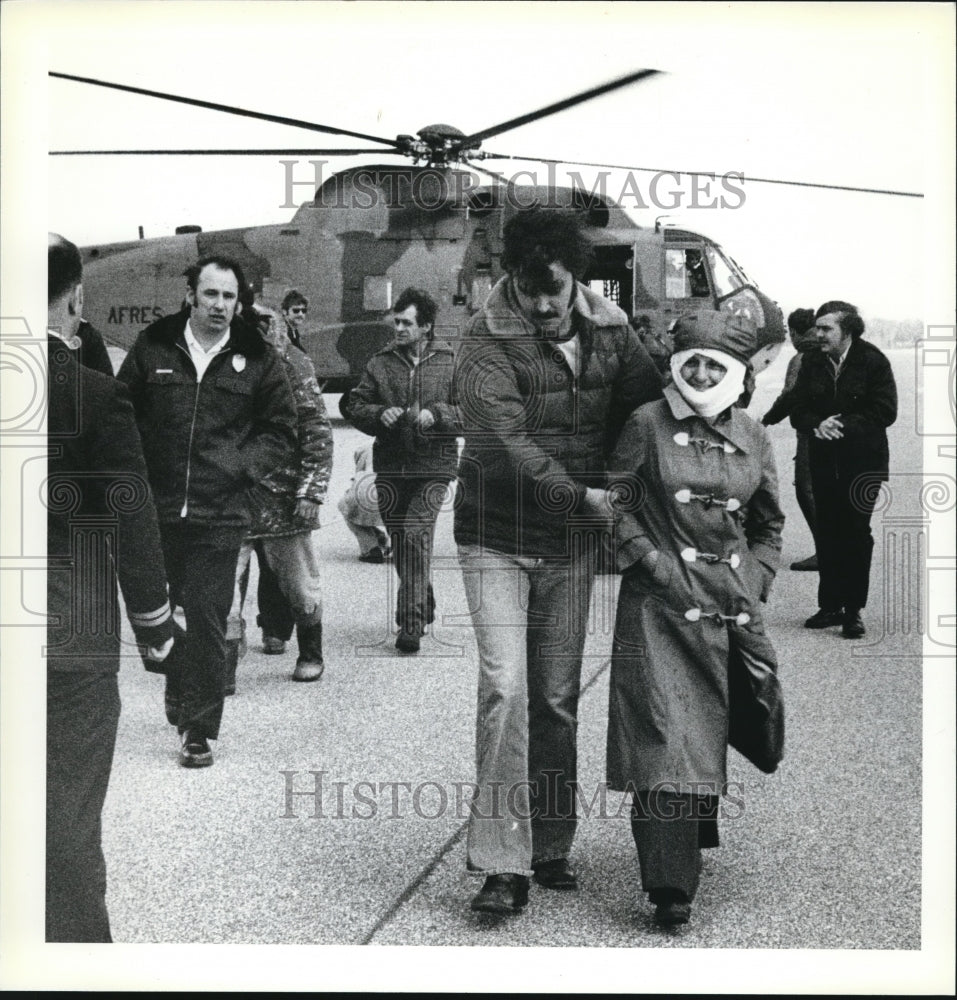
x=192, y=428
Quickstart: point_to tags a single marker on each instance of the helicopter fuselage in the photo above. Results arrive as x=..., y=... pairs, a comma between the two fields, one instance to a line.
x=372, y=231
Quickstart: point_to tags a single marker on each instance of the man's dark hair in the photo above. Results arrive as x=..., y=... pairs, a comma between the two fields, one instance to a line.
x=538, y=237
x=193, y=272
x=801, y=320
x=293, y=298
x=425, y=307
x=849, y=319
x=64, y=267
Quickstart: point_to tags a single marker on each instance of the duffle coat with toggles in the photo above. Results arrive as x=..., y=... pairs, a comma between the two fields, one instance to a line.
x=703, y=494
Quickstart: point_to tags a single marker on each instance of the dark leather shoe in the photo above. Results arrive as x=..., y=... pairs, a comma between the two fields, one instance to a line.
x=808, y=565
x=555, y=874
x=672, y=913
x=853, y=627
x=502, y=895
x=408, y=642
x=375, y=555
x=195, y=751
x=825, y=619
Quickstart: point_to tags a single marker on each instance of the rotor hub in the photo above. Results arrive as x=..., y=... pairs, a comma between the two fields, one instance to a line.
x=437, y=145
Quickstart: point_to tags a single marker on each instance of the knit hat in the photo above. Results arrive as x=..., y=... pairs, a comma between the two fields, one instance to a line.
x=719, y=331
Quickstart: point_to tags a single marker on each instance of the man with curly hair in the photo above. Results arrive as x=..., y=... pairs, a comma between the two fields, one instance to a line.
x=545, y=378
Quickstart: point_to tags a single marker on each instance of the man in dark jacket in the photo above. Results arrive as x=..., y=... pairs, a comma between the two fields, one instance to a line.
x=546, y=376
x=804, y=339
x=404, y=400
x=216, y=415
x=101, y=523
x=93, y=352
x=844, y=398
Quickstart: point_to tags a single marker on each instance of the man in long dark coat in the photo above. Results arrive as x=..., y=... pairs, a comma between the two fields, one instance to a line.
x=101, y=523
x=845, y=398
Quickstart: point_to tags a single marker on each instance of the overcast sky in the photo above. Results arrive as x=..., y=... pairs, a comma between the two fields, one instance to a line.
x=855, y=94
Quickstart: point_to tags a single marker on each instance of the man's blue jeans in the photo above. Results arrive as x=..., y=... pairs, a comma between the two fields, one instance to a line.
x=530, y=620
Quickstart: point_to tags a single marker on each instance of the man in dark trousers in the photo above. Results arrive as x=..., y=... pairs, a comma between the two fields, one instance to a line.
x=804, y=339
x=216, y=415
x=404, y=399
x=545, y=378
x=844, y=398
x=101, y=523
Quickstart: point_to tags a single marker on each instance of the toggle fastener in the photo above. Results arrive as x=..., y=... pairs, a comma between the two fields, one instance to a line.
x=693, y=555
x=708, y=499
x=696, y=614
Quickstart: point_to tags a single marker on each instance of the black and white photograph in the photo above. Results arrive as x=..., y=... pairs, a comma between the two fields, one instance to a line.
x=483, y=490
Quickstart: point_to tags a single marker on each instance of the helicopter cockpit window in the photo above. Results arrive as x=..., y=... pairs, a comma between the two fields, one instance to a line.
x=685, y=274
x=727, y=278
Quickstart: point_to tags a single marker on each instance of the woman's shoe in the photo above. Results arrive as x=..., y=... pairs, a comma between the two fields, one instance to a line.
x=672, y=913
x=672, y=907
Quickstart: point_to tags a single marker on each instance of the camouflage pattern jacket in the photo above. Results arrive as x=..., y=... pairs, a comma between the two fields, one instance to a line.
x=306, y=474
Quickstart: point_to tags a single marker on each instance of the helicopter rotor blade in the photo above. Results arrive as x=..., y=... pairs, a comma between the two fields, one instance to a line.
x=551, y=109
x=219, y=152
x=226, y=108
x=704, y=173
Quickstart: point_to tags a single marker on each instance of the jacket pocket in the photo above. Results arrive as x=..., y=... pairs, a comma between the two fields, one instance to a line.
x=757, y=579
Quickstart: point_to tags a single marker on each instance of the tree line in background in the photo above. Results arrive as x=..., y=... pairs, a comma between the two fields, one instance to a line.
x=894, y=332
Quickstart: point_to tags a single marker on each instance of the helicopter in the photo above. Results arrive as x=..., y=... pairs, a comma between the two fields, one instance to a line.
x=372, y=230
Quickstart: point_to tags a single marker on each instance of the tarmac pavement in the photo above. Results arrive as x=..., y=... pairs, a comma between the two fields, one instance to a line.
x=824, y=854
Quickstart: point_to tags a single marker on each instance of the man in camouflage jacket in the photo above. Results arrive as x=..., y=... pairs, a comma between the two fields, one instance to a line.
x=286, y=508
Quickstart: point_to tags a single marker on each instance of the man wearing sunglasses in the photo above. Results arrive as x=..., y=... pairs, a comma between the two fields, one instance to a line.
x=294, y=306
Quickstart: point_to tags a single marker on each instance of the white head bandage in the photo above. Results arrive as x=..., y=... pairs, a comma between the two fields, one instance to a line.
x=709, y=402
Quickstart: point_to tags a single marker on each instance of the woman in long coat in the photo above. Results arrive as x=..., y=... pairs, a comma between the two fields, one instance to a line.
x=698, y=547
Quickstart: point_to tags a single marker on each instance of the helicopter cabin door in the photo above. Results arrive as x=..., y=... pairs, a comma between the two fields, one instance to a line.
x=610, y=274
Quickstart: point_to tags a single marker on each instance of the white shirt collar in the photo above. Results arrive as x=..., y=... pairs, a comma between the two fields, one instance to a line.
x=74, y=342
x=193, y=344
x=202, y=357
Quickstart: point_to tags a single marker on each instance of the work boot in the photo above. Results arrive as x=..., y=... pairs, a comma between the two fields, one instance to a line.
x=309, y=665
x=232, y=661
